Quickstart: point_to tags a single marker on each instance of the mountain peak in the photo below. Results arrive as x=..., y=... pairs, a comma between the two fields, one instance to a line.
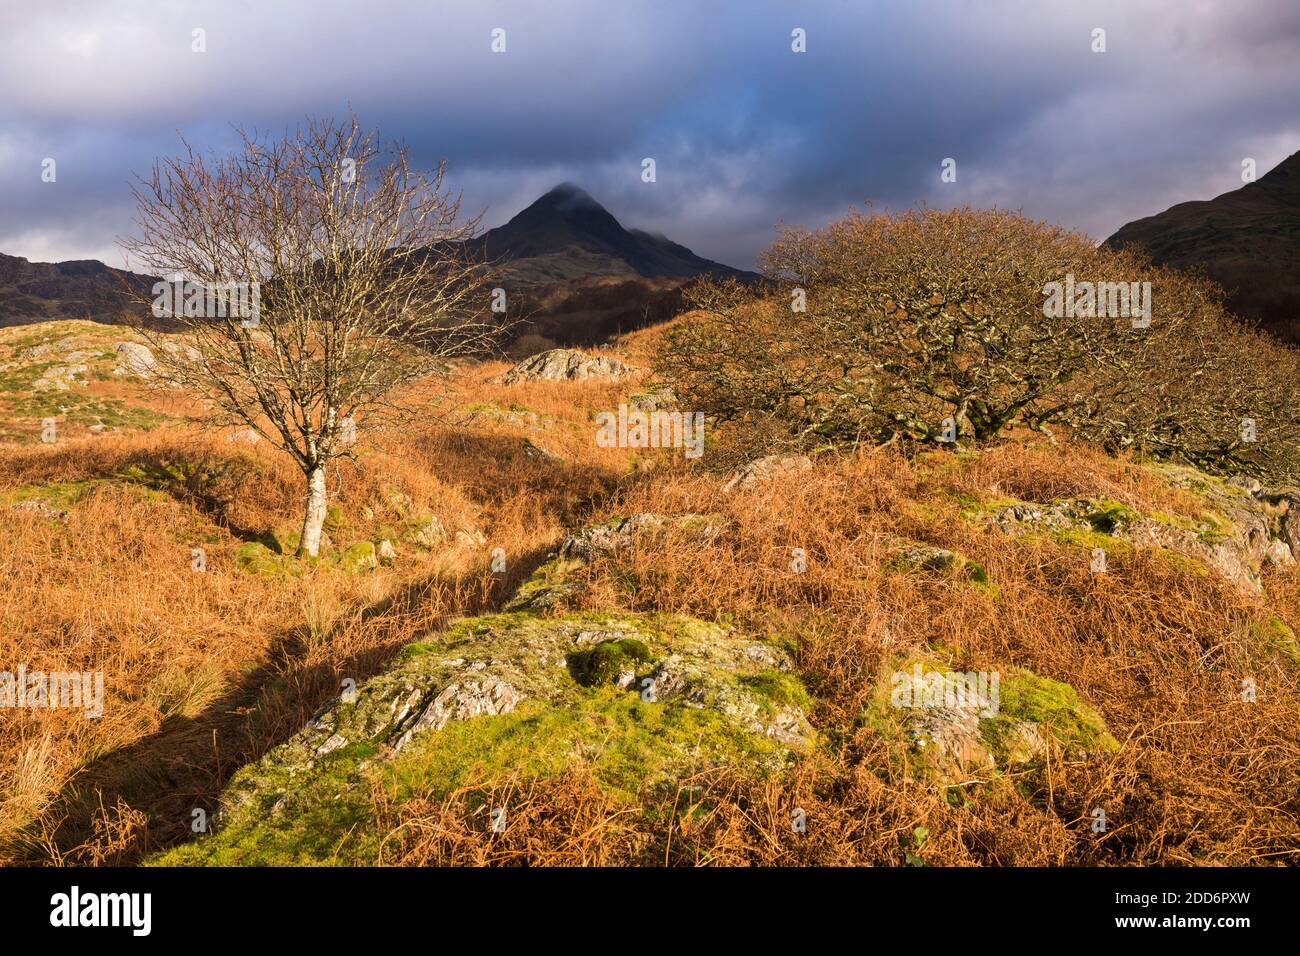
x=1285, y=173
x=567, y=234
x=568, y=197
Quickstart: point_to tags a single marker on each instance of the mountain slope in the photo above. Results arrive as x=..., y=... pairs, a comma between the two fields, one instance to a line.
x=1247, y=240
x=77, y=289
x=563, y=237
x=566, y=234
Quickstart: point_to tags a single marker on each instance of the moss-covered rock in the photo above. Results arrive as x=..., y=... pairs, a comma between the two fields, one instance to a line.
x=609, y=662
x=1107, y=515
x=955, y=726
x=359, y=557
x=254, y=557
x=522, y=693
x=916, y=556
x=620, y=533
x=553, y=585
x=1234, y=532
x=550, y=586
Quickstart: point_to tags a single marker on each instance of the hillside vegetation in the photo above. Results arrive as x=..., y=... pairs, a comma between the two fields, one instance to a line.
x=420, y=706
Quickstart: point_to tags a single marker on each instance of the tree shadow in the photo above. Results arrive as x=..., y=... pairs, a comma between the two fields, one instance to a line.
x=197, y=484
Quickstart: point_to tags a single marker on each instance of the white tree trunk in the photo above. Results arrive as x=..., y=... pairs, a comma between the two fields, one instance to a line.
x=309, y=540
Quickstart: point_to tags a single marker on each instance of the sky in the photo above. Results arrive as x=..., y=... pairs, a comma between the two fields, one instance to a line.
x=746, y=133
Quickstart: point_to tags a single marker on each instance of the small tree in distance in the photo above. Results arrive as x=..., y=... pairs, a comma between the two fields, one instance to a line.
x=357, y=270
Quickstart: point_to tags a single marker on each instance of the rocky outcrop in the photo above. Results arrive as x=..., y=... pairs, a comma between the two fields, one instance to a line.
x=60, y=378
x=566, y=365
x=964, y=727
x=555, y=582
x=491, y=666
x=909, y=555
x=1240, y=531
x=41, y=509
x=533, y=450
x=135, y=359
x=620, y=533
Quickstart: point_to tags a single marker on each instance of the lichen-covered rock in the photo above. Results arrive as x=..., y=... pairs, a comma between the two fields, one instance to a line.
x=517, y=415
x=1236, y=534
x=1288, y=506
x=566, y=365
x=917, y=556
x=1074, y=514
x=1278, y=552
x=928, y=557
x=59, y=378
x=655, y=399
x=470, y=539
x=552, y=584
x=614, y=536
x=39, y=508
x=135, y=359
x=431, y=533
x=360, y=557
x=954, y=726
x=491, y=666
x=533, y=450
x=185, y=354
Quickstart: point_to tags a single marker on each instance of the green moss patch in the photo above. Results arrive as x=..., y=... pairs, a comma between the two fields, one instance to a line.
x=780, y=688
x=1052, y=705
x=604, y=662
x=1107, y=516
x=1275, y=636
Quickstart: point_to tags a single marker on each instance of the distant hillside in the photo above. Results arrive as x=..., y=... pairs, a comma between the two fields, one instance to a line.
x=1247, y=240
x=566, y=234
x=594, y=309
x=584, y=276
x=77, y=289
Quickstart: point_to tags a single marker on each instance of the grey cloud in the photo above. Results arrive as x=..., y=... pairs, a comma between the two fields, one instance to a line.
x=744, y=132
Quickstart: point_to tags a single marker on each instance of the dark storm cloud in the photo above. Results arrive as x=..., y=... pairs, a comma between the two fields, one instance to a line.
x=744, y=132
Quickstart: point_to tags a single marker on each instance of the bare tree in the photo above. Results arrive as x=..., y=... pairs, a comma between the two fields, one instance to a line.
x=316, y=274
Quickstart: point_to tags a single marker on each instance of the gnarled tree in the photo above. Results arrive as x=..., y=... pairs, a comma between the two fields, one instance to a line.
x=880, y=327
x=357, y=270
